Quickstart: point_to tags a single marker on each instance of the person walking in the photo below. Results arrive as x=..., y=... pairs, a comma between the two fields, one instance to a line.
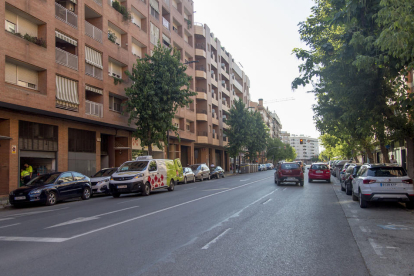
x=24, y=176
x=29, y=169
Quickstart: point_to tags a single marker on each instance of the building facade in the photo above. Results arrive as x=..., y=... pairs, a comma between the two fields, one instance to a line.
x=305, y=146
x=271, y=119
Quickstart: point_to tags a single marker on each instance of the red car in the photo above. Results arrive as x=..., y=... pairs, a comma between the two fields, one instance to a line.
x=289, y=172
x=319, y=171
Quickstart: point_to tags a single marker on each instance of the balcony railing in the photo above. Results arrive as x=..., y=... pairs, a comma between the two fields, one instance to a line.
x=202, y=111
x=66, y=15
x=165, y=23
x=99, y=2
x=67, y=59
x=94, y=109
x=93, y=71
x=202, y=133
x=93, y=32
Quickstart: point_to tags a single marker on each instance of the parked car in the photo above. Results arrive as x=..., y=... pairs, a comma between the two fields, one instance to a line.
x=289, y=172
x=319, y=171
x=339, y=165
x=52, y=187
x=201, y=171
x=262, y=167
x=217, y=173
x=188, y=175
x=342, y=172
x=144, y=175
x=352, y=170
x=100, y=181
x=379, y=182
x=269, y=166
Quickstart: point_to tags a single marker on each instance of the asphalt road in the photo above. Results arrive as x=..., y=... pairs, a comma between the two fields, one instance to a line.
x=240, y=225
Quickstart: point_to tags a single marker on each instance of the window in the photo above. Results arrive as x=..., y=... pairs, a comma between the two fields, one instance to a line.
x=154, y=34
x=188, y=126
x=114, y=70
x=66, y=177
x=11, y=27
x=21, y=76
x=66, y=93
x=115, y=104
x=152, y=166
x=78, y=176
x=154, y=9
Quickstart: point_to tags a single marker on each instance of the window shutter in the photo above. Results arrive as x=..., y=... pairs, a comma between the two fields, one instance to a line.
x=26, y=27
x=93, y=57
x=67, y=92
x=12, y=17
x=11, y=73
x=27, y=75
x=154, y=5
x=136, y=50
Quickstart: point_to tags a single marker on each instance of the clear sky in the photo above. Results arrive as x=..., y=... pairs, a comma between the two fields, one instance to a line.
x=261, y=35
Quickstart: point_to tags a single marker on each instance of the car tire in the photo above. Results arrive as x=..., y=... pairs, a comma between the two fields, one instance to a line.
x=354, y=197
x=185, y=180
x=86, y=194
x=171, y=187
x=209, y=177
x=409, y=205
x=310, y=180
x=329, y=181
x=362, y=203
x=348, y=189
x=202, y=178
x=51, y=198
x=194, y=179
x=147, y=190
x=301, y=183
x=342, y=188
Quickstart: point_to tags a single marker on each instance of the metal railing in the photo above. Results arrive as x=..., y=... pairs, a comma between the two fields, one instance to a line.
x=201, y=46
x=202, y=133
x=94, y=109
x=93, y=32
x=93, y=71
x=67, y=59
x=202, y=111
x=201, y=68
x=66, y=15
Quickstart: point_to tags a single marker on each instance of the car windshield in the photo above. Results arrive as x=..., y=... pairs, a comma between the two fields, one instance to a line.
x=290, y=166
x=319, y=167
x=195, y=167
x=134, y=166
x=386, y=172
x=105, y=172
x=43, y=179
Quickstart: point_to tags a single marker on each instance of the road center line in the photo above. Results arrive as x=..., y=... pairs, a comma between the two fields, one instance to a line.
x=266, y=201
x=9, y=225
x=216, y=189
x=216, y=239
x=245, y=179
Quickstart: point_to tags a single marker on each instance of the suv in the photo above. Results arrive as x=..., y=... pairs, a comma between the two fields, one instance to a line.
x=289, y=172
x=350, y=172
x=382, y=182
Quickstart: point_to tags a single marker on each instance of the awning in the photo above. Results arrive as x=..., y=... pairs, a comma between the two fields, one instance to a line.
x=166, y=38
x=66, y=38
x=66, y=92
x=5, y=137
x=154, y=5
x=93, y=89
x=93, y=57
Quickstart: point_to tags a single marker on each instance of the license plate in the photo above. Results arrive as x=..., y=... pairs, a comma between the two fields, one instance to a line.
x=122, y=186
x=291, y=178
x=319, y=171
x=19, y=197
x=388, y=184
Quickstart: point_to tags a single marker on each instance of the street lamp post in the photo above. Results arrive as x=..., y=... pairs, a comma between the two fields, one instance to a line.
x=168, y=131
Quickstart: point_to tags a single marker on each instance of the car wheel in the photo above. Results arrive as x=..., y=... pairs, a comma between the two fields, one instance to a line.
x=147, y=190
x=51, y=199
x=301, y=183
x=185, y=180
x=362, y=203
x=348, y=189
x=409, y=205
x=329, y=181
x=342, y=188
x=354, y=197
x=86, y=194
x=171, y=188
x=194, y=179
x=310, y=180
x=209, y=177
x=202, y=178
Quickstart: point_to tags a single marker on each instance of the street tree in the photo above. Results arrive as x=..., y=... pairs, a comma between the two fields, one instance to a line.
x=258, y=135
x=159, y=87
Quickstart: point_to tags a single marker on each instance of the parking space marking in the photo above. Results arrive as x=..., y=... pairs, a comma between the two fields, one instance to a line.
x=216, y=239
x=365, y=229
x=9, y=225
x=376, y=247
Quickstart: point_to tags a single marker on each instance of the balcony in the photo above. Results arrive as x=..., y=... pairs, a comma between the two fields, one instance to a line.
x=66, y=59
x=93, y=32
x=202, y=115
x=199, y=29
x=238, y=85
x=226, y=126
x=214, y=119
x=202, y=137
x=225, y=91
x=94, y=109
x=213, y=62
x=201, y=72
x=216, y=141
x=165, y=23
x=201, y=96
x=225, y=74
x=224, y=56
x=200, y=53
x=224, y=107
x=213, y=81
x=214, y=101
x=66, y=15
x=93, y=71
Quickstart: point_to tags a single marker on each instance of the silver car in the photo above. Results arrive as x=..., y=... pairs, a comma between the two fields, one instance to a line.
x=100, y=181
x=188, y=175
x=201, y=171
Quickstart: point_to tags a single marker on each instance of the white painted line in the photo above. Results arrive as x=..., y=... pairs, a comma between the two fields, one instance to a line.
x=391, y=247
x=284, y=189
x=216, y=189
x=36, y=212
x=266, y=201
x=9, y=225
x=245, y=179
x=129, y=200
x=365, y=229
x=78, y=220
x=33, y=239
x=376, y=247
x=166, y=209
x=216, y=239
x=6, y=219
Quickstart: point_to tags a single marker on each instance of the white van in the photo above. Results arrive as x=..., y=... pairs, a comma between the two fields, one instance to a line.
x=145, y=175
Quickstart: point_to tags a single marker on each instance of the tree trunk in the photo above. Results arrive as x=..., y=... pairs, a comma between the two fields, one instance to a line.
x=149, y=149
x=356, y=159
x=369, y=155
x=410, y=157
x=384, y=151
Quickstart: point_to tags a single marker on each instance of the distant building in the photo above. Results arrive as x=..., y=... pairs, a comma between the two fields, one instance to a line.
x=305, y=146
x=271, y=119
x=285, y=137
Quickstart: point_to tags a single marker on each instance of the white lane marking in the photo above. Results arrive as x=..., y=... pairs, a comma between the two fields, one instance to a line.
x=376, y=247
x=6, y=219
x=129, y=200
x=284, y=189
x=354, y=211
x=36, y=212
x=245, y=179
x=33, y=239
x=216, y=189
x=9, y=225
x=266, y=201
x=215, y=240
x=165, y=209
x=365, y=229
x=78, y=220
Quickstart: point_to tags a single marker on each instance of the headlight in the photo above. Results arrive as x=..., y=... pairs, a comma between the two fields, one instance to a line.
x=35, y=192
x=103, y=181
x=139, y=175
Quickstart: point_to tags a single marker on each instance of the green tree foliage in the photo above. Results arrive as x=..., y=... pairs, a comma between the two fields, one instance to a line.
x=278, y=151
x=257, y=140
x=159, y=87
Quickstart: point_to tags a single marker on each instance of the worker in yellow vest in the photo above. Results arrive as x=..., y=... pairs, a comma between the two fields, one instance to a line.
x=29, y=169
x=24, y=176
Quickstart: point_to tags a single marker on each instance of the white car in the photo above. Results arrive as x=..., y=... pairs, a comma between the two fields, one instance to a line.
x=100, y=181
x=382, y=183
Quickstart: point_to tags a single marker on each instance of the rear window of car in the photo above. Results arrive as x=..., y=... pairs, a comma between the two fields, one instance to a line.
x=319, y=167
x=386, y=172
x=289, y=166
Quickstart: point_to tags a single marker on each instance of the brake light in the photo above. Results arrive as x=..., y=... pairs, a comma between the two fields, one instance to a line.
x=408, y=181
x=368, y=181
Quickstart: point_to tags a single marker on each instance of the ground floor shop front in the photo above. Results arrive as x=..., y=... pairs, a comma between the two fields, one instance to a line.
x=50, y=144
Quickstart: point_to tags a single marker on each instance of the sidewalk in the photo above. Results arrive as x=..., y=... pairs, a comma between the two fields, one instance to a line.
x=4, y=202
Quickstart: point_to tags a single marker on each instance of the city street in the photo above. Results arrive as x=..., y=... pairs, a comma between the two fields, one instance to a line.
x=239, y=225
